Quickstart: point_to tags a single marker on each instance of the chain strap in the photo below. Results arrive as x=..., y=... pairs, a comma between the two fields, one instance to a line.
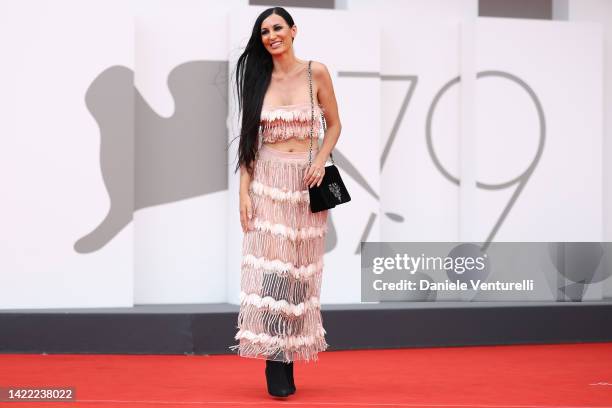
x=312, y=118
x=311, y=113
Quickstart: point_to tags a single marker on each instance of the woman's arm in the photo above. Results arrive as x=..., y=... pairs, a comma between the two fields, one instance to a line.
x=327, y=99
x=245, y=180
x=244, y=199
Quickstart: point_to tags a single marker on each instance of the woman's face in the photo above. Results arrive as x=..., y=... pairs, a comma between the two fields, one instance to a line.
x=276, y=35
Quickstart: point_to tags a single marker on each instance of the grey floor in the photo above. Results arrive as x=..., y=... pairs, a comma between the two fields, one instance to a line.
x=229, y=308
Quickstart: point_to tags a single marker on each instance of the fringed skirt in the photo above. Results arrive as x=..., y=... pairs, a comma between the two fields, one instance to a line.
x=282, y=263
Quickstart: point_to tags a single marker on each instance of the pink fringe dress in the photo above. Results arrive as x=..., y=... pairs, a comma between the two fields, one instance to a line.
x=282, y=252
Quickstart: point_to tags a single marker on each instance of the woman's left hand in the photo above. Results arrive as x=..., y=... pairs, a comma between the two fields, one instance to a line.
x=314, y=174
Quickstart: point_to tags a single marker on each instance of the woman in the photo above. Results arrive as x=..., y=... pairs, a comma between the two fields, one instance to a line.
x=284, y=242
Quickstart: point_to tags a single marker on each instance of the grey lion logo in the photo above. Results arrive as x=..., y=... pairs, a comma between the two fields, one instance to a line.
x=147, y=159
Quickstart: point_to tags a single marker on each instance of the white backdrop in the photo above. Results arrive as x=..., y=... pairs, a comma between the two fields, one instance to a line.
x=68, y=165
x=53, y=193
x=417, y=60
x=180, y=231
x=562, y=64
x=601, y=11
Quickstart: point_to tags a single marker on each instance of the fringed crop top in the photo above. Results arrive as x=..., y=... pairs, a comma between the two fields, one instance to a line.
x=290, y=121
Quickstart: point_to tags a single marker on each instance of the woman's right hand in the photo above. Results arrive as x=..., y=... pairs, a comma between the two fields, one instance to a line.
x=246, y=210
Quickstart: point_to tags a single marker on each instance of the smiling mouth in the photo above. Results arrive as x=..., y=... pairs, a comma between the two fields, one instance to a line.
x=276, y=44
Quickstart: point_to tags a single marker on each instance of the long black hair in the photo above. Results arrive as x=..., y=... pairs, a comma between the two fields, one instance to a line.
x=253, y=74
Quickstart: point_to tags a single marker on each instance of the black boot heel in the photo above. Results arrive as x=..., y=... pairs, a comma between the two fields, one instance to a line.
x=289, y=373
x=276, y=379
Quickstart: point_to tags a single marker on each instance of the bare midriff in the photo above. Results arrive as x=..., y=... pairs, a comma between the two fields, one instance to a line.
x=293, y=145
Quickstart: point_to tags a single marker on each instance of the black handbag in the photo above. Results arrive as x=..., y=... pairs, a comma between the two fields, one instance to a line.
x=332, y=190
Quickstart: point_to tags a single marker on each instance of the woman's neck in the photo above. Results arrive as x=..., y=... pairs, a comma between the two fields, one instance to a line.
x=285, y=63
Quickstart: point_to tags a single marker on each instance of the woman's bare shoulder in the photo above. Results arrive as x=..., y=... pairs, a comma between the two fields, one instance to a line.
x=321, y=76
x=319, y=69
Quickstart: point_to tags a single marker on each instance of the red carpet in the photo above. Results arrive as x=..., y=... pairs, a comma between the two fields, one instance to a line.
x=568, y=375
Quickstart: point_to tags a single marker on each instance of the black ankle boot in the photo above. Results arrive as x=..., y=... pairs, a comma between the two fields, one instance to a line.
x=289, y=372
x=276, y=379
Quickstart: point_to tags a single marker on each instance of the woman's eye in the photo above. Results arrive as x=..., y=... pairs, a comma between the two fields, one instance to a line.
x=277, y=28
